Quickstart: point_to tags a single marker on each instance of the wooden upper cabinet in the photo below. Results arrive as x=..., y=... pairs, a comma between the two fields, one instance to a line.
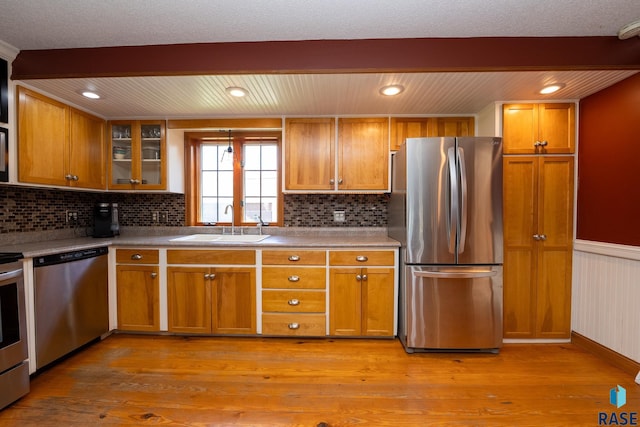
x=363, y=154
x=310, y=153
x=419, y=127
x=539, y=128
x=455, y=126
x=43, y=133
x=138, y=155
x=409, y=127
x=59, y=145
x=87, y=150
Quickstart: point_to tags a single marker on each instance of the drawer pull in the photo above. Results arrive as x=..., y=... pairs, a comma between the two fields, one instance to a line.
x=136, y=257
x=294, y=258
x=294, y=326
x=293, y=301
x=362, y=258
x=294, y=278
x=154, y=275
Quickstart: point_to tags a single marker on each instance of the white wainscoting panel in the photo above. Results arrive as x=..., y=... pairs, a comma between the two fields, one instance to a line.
x=606, y=295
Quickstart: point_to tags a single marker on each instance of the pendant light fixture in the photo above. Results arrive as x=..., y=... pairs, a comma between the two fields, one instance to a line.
x=228, y=152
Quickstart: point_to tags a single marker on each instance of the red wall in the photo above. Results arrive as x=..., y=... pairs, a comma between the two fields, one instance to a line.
x=609, y=165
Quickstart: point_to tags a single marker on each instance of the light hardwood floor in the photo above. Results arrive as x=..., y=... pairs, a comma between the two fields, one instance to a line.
x=213, y=381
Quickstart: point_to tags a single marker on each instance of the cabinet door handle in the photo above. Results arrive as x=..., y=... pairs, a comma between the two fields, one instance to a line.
x=543, y=237
x=364, y=277
x=358, y=277
x=536, y=237
x=209, y=276
x=75, y=178
x=339, y=181
x=68, y=177
x=293, y=302
x=136, y=257
x=154, y=275
x=332, y=181
x=362, y=258
x=294, y=278
x=294, y=326
x=544, y=143
x=294, y=258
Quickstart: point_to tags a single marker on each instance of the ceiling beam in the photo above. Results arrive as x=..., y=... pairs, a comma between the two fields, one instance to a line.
x=333, y=56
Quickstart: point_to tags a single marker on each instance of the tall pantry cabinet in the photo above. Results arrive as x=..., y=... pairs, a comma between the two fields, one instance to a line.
x=538, y=219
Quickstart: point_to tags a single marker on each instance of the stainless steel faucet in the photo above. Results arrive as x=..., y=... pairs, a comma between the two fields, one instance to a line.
x=226, y=211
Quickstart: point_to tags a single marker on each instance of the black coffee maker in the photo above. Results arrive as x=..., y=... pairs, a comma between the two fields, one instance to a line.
x=102, y=220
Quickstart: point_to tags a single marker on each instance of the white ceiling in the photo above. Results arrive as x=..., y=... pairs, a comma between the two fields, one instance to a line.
x=46, y=24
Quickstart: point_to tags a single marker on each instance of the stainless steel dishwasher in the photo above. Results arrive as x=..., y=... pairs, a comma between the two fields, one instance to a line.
x=71, y=303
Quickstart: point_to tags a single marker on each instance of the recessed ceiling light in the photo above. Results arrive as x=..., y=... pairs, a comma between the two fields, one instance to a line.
x=551, y=88
x=237, y=91
x=89, y=94
x=391, y=90
x=629, y=30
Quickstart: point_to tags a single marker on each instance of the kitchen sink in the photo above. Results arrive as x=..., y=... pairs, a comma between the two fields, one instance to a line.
x=221, y=238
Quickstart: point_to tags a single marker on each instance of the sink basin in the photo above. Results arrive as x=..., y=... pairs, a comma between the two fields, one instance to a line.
x=221, y=238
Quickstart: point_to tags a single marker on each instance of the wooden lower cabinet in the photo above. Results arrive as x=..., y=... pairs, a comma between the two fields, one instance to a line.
x=215, y=300
x=361, y=298
x=361, y=301
x=294, y=292
x=138, y=290
x=538, y=236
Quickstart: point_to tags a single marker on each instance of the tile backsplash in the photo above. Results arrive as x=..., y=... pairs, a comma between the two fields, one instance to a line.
x=316, y=210
x=32, y=209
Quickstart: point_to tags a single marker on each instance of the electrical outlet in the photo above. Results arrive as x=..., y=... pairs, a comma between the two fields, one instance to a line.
x=164, y=217
x=71, y=216
x=154, y=216
x=339, y=216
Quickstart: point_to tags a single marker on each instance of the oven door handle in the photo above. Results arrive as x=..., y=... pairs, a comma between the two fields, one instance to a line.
x=10, y=275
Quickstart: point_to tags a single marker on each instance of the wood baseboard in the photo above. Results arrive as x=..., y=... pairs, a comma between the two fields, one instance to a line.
x=616, y=359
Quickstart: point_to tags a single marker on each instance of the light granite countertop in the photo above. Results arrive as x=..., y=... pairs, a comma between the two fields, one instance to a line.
x=162, y=237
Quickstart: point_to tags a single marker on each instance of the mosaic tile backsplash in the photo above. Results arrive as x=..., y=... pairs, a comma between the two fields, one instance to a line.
x=31, y=209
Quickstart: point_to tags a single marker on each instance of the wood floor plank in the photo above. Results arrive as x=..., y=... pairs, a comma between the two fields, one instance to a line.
x=216, y=381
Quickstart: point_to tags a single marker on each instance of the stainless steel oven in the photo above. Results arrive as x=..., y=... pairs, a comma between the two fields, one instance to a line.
x=14, y=368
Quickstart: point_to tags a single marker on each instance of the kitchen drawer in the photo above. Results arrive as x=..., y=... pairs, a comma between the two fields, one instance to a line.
x=211, y=256
x=296, y=278
x=294, y=301
x=310, y=325
x=293, y=257
x=137, y=256
x=364, y=257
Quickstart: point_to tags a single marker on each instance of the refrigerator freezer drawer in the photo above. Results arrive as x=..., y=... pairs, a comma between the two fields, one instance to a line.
x=456, y=308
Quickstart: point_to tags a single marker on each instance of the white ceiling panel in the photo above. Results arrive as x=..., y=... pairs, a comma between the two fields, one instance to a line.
x=319, y=94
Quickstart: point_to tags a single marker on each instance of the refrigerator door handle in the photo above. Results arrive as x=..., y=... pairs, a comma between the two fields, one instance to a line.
x=455, y=274
x=463, y=200
x=454, y=207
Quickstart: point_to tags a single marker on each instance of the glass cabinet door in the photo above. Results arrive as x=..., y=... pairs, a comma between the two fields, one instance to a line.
x=151, y=154
x=121, y=154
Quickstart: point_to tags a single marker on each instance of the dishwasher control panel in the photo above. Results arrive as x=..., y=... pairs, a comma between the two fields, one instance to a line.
x=69, y=256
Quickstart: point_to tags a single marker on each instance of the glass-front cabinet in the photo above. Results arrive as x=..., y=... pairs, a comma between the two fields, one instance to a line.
x=137, y=155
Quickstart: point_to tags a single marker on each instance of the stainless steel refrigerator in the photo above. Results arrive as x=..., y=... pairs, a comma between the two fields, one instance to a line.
x=446, y=211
